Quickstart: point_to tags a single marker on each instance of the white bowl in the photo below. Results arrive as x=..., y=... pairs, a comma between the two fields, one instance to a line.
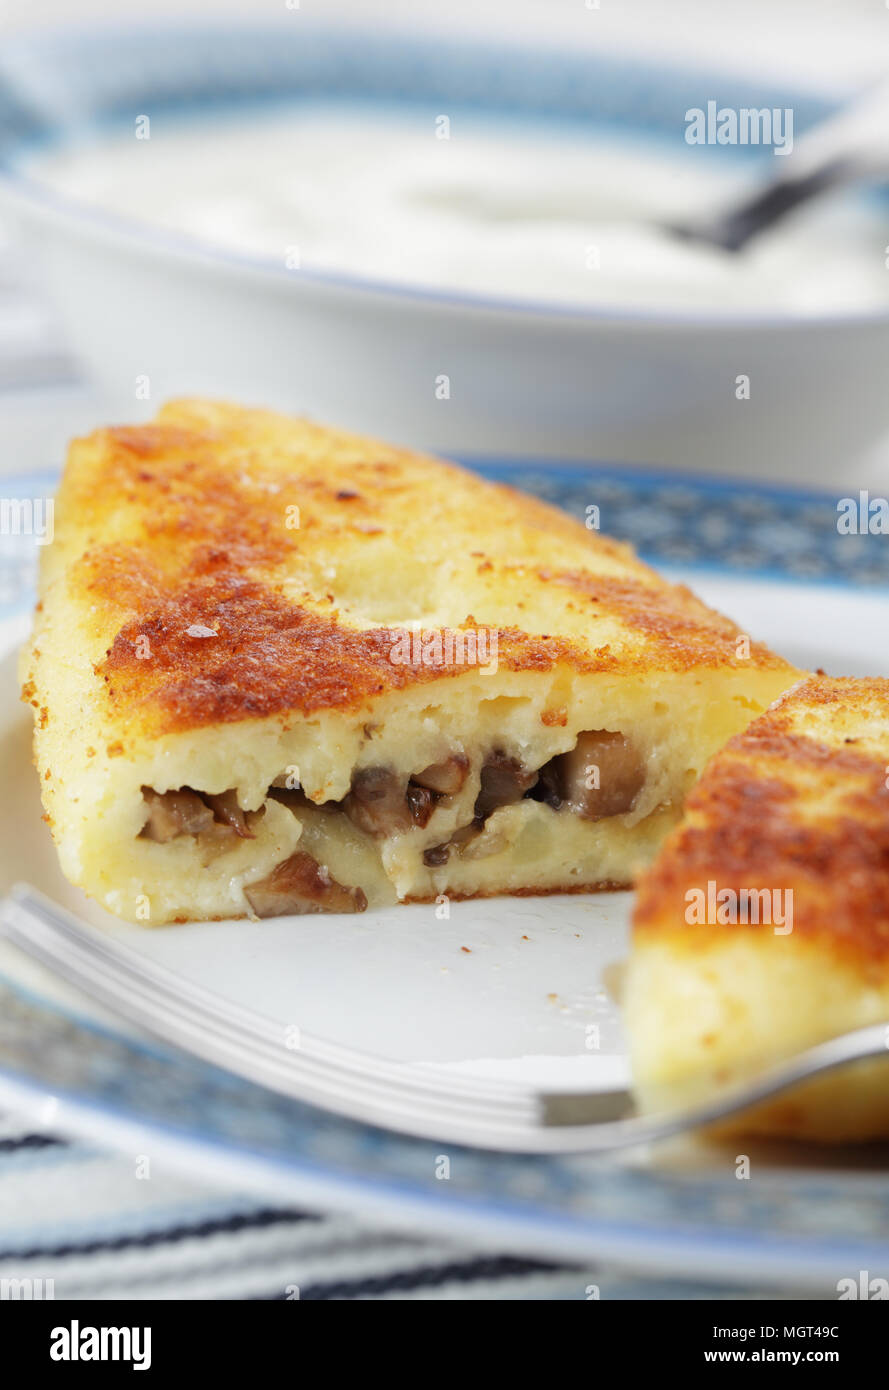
x=525, y=379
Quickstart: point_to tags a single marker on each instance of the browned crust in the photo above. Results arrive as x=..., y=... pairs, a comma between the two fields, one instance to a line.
x=173, y=535
x=604, y=886
x=684, y=631
x=783, y=809
x=272, y=656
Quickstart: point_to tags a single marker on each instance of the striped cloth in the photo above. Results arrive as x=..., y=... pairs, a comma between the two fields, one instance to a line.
x=85, y=1220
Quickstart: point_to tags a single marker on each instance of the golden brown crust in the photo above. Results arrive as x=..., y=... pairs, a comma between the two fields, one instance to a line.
x=271, y=656
x=187, y=521
x=683, y=631
x=798, y=801
x=605, y=885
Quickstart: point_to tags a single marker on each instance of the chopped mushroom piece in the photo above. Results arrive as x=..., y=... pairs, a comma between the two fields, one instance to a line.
x=601, y=776
x=421, y=803
x=380, y=804
x=300, y=885
x=294, y=798
x=174, y=813
x=225, y=808
x=187, y=812
x=549, y=785
x=447, y=778
x=376, y=803
x=503, y=781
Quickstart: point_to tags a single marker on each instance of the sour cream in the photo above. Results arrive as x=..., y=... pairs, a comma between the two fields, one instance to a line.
x=471, y=207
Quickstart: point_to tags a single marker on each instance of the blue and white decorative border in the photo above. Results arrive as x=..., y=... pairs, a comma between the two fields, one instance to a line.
x=747, y=529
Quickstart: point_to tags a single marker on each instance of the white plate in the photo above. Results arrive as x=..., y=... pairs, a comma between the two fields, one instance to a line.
x=503, y=988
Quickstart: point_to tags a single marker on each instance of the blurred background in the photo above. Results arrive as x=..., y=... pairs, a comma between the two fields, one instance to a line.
x=299, y=229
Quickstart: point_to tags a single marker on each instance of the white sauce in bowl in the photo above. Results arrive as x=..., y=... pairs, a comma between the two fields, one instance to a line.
x=502, y=211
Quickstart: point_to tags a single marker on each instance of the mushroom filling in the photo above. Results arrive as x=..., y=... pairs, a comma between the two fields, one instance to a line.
x=299, y=885
x=187, y=812
x=379, y=803
x=600, y=776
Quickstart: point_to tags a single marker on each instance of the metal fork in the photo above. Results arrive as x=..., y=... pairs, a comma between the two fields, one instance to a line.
x=393, y=1095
